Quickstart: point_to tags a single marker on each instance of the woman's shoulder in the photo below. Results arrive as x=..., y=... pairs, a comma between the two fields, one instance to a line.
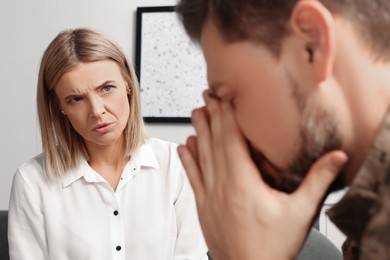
x=163, y=148
x=159, y=143
x=164, y=151
x=32, y=171
x=34, y=164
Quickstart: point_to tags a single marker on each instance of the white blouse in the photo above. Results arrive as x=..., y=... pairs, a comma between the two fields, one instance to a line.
x=152, y=214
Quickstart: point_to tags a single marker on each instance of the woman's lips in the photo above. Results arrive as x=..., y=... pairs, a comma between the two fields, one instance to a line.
x=103, y=128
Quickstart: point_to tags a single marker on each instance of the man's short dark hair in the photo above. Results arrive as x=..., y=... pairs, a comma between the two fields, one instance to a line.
x=265, y=21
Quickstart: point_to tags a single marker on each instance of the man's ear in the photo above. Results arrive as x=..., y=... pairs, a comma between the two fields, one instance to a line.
x=314, y=23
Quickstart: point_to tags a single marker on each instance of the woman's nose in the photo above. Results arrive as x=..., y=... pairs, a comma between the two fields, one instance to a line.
x=97, y=108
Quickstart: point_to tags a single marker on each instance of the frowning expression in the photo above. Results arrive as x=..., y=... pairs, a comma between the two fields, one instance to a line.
x=94, y=98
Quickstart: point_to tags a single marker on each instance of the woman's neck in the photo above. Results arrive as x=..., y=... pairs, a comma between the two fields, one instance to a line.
x=108, y=160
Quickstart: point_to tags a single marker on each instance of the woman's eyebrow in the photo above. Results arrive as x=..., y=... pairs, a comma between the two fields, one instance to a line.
x=105, y=83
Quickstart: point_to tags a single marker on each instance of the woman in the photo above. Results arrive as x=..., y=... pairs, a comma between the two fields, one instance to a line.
x=101, y=189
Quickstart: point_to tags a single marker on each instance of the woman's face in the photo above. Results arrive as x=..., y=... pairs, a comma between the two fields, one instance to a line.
x=94, y=97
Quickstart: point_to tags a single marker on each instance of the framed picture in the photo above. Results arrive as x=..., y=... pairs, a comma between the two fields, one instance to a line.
x=170, y=67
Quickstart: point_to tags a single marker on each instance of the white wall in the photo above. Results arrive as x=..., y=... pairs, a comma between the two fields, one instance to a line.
x=26, y=29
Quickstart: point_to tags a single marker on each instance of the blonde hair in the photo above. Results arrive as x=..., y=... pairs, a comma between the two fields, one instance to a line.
x=61, y=144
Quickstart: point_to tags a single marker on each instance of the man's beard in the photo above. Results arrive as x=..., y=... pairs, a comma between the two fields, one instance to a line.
x=318, y=135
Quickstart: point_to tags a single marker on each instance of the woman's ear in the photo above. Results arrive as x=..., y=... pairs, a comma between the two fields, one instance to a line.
x=57, y=104
x=315, y=24
x=128, y=89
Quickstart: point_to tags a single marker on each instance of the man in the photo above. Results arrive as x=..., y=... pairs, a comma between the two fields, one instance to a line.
x=297, y=107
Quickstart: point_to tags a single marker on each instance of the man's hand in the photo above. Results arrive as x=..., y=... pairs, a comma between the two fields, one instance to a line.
x=241, y=216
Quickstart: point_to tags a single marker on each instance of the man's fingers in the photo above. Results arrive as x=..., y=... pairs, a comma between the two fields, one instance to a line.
x=238, y=147
x=193, y=172
x=321, y=175
x=213, y=107
x=232, y=133
x=200, y=122
x=192, y=145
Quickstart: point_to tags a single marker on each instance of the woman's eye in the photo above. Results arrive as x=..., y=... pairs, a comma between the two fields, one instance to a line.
x=107, y=88
x=75, y=100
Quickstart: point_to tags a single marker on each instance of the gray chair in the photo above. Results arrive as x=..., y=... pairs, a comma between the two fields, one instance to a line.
x=317, y=247
x=4, y=255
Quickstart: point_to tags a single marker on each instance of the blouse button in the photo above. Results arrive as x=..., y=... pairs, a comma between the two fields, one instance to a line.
x=116, y=213
x=118, y=248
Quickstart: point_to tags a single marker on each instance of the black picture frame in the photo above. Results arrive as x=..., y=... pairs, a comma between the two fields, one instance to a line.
x=170, y=67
